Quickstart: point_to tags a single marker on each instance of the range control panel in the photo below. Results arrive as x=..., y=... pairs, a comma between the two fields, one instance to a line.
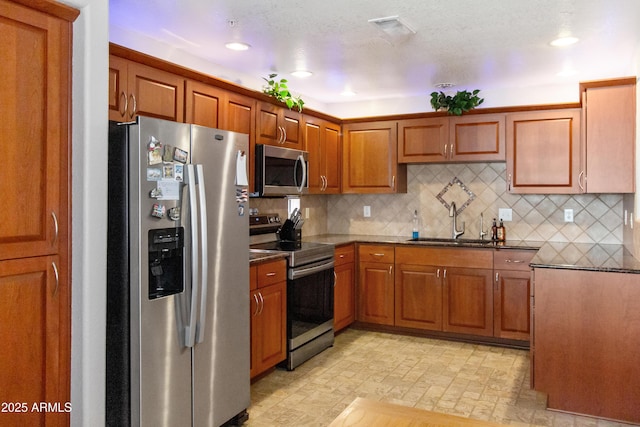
x=264, y=223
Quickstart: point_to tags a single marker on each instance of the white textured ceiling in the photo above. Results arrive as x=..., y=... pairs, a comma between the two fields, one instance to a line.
x=484, y=44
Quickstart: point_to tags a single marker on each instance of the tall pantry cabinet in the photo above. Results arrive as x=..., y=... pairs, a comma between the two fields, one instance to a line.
x=35, y=298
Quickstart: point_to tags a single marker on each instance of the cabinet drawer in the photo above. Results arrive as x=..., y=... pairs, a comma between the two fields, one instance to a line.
x=445, y=257
x=344, y=255
x=376, y=253
x=507, y=259
x=272, y=272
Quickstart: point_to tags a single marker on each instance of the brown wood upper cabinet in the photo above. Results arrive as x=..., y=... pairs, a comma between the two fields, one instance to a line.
x=279, y=126
x=136, y=89
x=369, y=159
x=543, y=151
x=204, y=104
x=452, y=139
x=322, y=139
x=608, y=154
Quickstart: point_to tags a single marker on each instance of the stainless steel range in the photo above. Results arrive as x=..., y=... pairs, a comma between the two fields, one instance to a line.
x=310, y=282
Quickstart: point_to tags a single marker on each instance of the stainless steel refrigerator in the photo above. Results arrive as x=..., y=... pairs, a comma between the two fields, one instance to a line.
x=178, y=351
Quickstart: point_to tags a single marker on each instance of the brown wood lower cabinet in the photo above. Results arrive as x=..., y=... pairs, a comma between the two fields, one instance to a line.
x=375, y=284
x=268, y=316
x=33, y=341
x=344, y=301
x=586, y=341
x=418, y=296
x=468, y=300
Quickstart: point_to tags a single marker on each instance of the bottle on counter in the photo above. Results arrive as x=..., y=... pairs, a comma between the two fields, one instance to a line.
x=494, y=230
x=502, y=233
x=416, y=221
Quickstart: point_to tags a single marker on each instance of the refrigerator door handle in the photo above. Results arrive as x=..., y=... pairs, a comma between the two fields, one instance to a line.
x=190, y=330
x=204, y=254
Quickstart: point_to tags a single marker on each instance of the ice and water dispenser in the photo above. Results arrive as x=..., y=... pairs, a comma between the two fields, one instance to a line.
x=166, y=252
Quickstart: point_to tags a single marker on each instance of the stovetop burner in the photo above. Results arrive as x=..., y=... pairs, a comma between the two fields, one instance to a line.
x=300, y=253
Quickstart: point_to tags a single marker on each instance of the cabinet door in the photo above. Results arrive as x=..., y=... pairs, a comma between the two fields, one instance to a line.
x=423, y=140
x=322, y=141
x=468, y=301
x=543, y=154
x=33, y=339
x=155, y=93
x=477, y=138
x=511, y=315
x=418, y=297
x=610, y=114
x=34, y=106
x=240, y=116
x=369, y=158
x=375, y=293
x=204, y=104
x=344, y=307
x=278, y=126
x=118, y=91
x=268, y=327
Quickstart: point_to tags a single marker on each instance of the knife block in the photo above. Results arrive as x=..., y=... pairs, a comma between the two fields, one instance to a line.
x=289, y=233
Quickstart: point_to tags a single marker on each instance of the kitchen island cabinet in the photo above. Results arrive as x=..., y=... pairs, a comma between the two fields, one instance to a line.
x=35, y=186
x=369, y=159
x=268, y=315
x=375, y=284
x=586, y=341
x=543, y=151
x=344, y=311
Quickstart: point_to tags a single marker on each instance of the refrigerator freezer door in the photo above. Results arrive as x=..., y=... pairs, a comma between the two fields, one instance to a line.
x=161, y=364
x=221, y=360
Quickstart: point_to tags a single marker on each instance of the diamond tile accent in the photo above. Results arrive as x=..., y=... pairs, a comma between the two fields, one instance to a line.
x=456, y=195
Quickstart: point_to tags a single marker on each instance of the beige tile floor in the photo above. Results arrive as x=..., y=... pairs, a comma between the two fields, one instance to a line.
x=474, y=381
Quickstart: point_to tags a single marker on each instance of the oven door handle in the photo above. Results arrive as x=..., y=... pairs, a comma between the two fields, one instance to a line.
x=296, y=273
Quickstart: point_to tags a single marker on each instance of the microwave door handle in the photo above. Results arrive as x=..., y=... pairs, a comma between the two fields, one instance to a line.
x=304, y=173
x=204, y=254
x=190, y=330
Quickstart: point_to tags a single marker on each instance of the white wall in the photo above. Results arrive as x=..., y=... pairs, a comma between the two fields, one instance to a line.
x=89, y=171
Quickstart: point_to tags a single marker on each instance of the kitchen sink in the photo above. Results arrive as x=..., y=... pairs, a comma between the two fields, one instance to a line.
x=452, y=242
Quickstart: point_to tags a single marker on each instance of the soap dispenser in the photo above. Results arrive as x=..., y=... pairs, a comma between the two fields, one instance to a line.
x=416, y=221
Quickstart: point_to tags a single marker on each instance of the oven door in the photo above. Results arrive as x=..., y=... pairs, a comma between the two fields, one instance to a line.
x=309, y=302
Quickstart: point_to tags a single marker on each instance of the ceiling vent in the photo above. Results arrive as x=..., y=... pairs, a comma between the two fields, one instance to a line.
x=392, y=28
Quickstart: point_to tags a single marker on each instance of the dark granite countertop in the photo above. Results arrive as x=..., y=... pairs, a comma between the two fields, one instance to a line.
x=575, y=256
x=586, y=256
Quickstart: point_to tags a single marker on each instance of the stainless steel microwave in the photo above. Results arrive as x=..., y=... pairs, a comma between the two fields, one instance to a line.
x=281, y=171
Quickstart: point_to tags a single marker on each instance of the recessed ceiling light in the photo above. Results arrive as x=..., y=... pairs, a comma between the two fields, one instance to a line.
x=302, y=73
x=348, y=93
x=564, y=41
x=237, y=46
x=444, y=85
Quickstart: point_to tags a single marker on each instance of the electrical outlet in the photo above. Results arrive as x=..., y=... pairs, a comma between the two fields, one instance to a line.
x=505, y=214
x=568, y=215
x=367, y=211
x=306, y=213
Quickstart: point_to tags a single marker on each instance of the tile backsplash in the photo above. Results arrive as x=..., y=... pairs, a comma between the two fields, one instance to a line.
x=476, y=188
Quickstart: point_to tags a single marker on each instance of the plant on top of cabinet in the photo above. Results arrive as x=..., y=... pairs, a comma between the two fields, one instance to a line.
x=280, y=91
x=457, y=104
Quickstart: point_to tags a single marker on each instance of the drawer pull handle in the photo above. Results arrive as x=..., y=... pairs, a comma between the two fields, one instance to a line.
x=271, y=274
x=376, y=254
x=515, y=261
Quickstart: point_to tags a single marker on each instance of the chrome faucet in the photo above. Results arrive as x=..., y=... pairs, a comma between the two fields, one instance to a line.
x=454, y=224
x=482, y=232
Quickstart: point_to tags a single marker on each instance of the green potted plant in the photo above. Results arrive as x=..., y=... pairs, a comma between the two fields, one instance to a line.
x=457, y=104
x=280, y=91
